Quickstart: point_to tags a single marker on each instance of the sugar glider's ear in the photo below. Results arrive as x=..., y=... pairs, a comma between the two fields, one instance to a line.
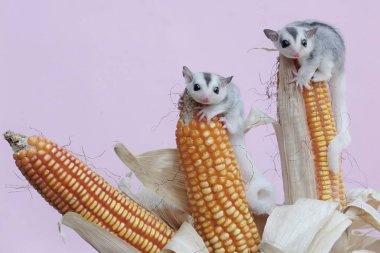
x=187, y=74
x=310, y=33
x=225, y=80
x=272, y=35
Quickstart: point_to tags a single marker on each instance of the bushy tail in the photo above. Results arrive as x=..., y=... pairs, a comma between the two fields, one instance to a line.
x=342, y=139
x=260, y=193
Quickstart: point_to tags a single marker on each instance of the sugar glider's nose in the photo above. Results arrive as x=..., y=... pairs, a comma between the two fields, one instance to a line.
x=205, y=100
x=296, y=54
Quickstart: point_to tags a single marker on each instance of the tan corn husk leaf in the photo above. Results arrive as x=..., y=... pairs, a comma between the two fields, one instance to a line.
x=363, y=215
x=309, y=225
x=256, y=118
x=316, y=226
x=350, y=242
x=99, y=238
x=368, y=195
x=153, y=202
x=330, y=233
x=298, y=169
x=185, y=240
x=363, y=251
x=362, y=208
x=158, y=171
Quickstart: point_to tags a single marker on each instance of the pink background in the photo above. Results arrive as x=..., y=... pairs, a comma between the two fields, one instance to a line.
x=102, y=71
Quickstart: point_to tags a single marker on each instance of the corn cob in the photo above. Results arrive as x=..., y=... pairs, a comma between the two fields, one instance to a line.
x=70, y=185
x=322, y=129
x=215, y=189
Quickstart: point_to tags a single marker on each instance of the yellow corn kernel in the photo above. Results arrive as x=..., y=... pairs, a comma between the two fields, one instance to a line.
x=322, y=130
x=217, y=198
x=55, y=174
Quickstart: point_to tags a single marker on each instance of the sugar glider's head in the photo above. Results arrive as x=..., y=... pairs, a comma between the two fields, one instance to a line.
x=206, y=88
x=292, y=41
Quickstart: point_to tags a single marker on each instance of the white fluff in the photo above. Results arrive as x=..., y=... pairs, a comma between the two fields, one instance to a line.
x=342, y=120
x=260, y=196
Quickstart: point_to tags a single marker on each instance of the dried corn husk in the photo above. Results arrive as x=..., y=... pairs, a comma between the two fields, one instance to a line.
x=363, y=208
x=159, y=171
x=99, y=238
x=352, y=242
x=295, y=150
x=185, y=240
x=315, y=226
x=257, y=118
x=144, y=196
x=307, y=226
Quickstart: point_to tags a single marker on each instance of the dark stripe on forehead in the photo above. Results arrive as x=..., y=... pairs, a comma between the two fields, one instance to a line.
x=292, y=31
x=207, y=77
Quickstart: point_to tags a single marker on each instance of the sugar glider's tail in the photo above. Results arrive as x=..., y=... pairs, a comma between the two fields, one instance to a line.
x=342, y=139
x=260, y=193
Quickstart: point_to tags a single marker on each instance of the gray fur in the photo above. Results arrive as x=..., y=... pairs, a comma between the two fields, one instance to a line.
x=230, y=109
x=292, y=31
x=207, y=77
x=327, y=43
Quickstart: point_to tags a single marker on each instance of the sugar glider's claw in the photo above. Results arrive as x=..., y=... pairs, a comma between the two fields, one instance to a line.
x=201, y=115
x=307, y=85
x=224, y=121
x=294, y=80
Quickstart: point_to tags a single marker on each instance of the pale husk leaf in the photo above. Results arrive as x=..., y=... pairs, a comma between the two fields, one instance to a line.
x=298, y=169
x=256, y=118
x=363, y=215
x=368, y=195
x=153, y=202
x=330, y=233
x=362, y=208
x=99, y=238
x=350, y=242
x=158, y=171
x=307, y=226
x=185, y=240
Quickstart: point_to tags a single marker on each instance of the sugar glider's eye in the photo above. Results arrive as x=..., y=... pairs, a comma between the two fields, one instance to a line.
x=285, y=43
x=304, y=42
x=216, y=90
x=197, y=87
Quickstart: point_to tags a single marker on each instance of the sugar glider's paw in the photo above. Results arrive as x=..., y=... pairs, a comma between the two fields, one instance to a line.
x=320, y=76
x=301, y=80
x=260, y=196
x=336, y=146
x=224, y=121
x=232, y=127
x=206, y=113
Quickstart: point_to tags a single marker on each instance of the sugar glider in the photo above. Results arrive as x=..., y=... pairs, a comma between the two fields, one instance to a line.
x=319, y=49
x=210, y=95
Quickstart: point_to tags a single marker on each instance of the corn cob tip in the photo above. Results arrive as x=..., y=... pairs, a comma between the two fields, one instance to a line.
x=15, y=140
